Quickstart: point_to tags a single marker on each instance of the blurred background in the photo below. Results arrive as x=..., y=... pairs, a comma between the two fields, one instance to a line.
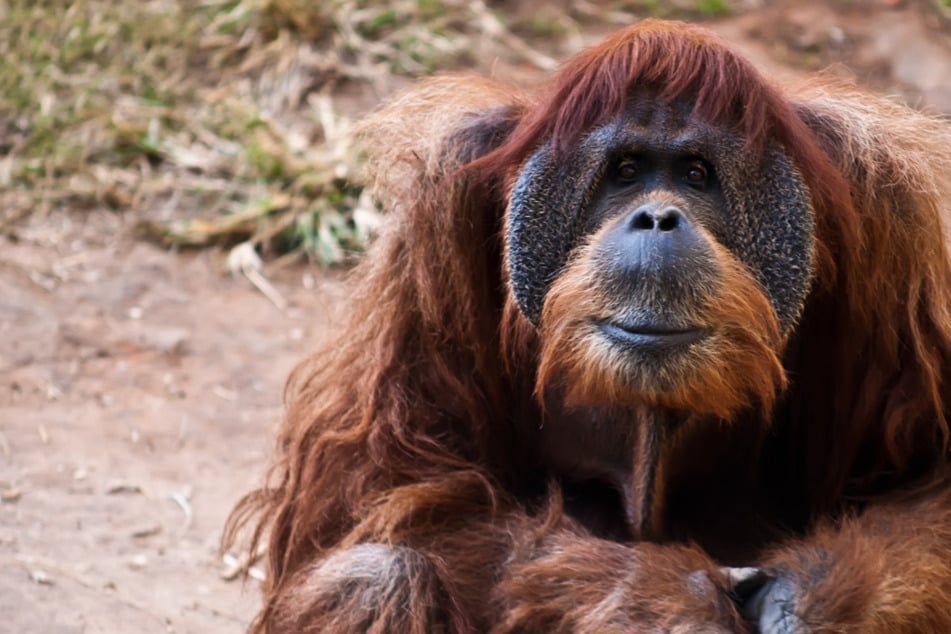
x=178, y=204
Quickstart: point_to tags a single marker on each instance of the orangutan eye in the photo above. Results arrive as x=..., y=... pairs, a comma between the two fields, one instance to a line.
x=628, y=169
x=696, y=173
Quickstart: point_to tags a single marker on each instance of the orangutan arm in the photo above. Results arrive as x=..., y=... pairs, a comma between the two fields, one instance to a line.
x=887, y=570
x=515, y=574
x=574, y=584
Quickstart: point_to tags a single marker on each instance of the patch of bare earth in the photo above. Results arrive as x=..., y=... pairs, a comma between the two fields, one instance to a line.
x=139, y=393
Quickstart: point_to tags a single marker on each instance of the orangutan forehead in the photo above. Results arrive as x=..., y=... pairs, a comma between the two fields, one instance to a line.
x=644, y=108
x=667, y=128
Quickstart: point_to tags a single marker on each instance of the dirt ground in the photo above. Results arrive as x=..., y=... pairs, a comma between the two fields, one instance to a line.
x=140, y=388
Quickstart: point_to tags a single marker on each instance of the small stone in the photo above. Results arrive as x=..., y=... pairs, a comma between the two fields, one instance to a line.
x=41, y=578
x=138, y=562
x=10, y=495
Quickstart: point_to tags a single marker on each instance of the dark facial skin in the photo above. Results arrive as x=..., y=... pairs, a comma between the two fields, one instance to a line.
x=652, y=203
x=646, y=173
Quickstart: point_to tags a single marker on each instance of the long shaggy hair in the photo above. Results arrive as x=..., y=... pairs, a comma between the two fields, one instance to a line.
x=402, y=427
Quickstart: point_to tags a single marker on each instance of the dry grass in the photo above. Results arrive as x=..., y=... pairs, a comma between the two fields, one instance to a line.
x=204, y=116
x=220, y=120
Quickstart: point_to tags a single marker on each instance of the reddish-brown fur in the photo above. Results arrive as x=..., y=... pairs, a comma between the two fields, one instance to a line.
x=402, y=498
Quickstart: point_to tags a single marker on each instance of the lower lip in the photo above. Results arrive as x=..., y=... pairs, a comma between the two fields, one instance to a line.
x=648, y=338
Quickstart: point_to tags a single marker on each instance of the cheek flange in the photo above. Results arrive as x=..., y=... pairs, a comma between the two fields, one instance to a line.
x=772, y=228
x=546, y=215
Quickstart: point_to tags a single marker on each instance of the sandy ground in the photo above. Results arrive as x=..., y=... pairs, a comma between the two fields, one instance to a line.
x=140, y=389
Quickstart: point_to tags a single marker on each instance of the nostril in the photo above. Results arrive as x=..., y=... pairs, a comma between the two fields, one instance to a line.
x=669, y=220
x=653, y=218
x=642, y=220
